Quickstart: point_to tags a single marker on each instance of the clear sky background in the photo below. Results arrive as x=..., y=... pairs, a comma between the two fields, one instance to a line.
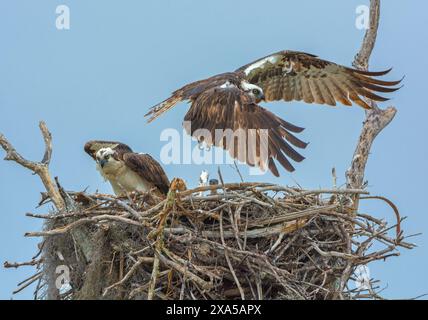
x=96, y=81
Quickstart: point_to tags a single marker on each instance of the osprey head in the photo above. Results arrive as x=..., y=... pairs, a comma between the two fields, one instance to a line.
x=253, y=90
x=104, y=156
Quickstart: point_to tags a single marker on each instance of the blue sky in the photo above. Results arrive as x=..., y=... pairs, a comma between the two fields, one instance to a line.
x=96, y=81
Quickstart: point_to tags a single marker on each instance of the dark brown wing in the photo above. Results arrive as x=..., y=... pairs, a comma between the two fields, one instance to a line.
x=92, y=147
x=290, y=75
x=248, y=132
x=190, y=92
x=148, y=169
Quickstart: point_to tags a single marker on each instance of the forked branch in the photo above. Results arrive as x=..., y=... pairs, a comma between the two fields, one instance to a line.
x=40, y=168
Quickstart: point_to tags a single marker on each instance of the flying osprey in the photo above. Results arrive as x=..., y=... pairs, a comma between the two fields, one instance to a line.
x=125, y=170
x=231, y=101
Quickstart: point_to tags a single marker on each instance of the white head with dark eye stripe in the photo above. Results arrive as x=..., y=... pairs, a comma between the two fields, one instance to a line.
x=253, y=90
x=104, y=157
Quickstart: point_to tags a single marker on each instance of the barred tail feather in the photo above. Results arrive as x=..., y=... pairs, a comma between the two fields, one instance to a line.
x=162, y=107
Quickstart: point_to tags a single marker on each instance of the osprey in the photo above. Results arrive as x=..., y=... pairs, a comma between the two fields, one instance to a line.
x=231, y=101
x=203, y=180
x=125, y=170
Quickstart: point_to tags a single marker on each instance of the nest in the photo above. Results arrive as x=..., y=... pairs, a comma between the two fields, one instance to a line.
x=232, y=241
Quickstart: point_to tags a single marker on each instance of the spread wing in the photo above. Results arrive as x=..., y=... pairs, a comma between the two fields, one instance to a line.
x=290, y=75
x=148, y=169
x=92, y=147
x=260, y=136
x=188, y=92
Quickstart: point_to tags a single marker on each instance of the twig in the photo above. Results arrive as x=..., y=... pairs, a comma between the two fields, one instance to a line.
x=80, y=222
x=226, y=255
x=24, y=284
x=7, y=264
x=134, y=268
x=394, y=207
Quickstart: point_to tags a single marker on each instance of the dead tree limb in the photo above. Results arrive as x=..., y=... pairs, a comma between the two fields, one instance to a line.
x=376, y=119
x=53, y=190
x=40, y=168
x=361, y=60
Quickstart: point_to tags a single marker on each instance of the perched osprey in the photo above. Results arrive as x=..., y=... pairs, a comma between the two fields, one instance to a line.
x=231, y=101
x=125, y=170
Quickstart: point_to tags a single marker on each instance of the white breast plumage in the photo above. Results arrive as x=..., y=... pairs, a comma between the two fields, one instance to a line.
x=131, y=181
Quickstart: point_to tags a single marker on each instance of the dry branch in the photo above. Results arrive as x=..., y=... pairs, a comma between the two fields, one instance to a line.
x=297, y=249
x=54, y=192
x=39, y=168
x=376, y=119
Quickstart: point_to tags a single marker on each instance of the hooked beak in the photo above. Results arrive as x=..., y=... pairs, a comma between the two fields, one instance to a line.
x=102, y=162
x=263, y=98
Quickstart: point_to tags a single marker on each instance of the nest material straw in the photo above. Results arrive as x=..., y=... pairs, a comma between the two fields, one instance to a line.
x=234, y=241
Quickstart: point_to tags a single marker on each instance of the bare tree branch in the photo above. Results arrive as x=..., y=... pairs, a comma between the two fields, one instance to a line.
x=361, y=60
x=376, y=119
x=39, y=168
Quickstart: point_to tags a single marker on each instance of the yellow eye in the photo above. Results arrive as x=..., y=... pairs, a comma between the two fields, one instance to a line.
x=255, y=91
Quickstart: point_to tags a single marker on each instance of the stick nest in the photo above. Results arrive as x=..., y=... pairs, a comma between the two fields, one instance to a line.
x=233, y=241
